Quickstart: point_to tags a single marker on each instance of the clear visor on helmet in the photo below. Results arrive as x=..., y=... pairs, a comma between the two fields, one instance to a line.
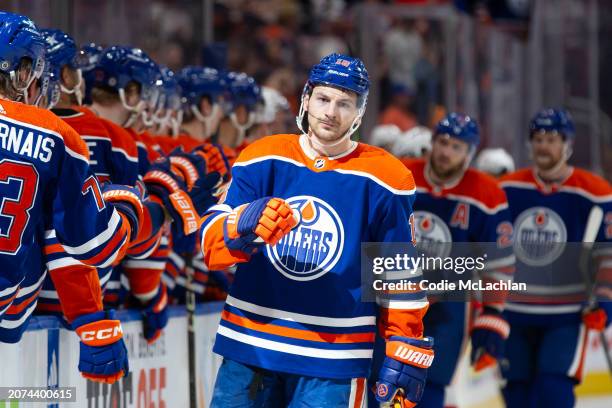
x=26, y=73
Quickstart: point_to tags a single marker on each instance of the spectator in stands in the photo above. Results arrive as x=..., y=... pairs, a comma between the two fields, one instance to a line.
x=399, y=111
x=403, y=47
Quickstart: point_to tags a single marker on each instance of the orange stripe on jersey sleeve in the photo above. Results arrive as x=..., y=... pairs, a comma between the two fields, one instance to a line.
x=398, y=322
x=114, y=244
x=16, y=309
x=53, y=249
x=216, y=255
x=7, y=301
x=297, y=333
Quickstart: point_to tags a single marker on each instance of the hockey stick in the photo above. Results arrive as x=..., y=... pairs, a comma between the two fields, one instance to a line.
x=190, y=305
x=590, y=234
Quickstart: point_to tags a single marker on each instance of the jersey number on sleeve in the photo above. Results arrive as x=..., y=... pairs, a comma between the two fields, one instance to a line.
x=18, y=186
x=91, y=184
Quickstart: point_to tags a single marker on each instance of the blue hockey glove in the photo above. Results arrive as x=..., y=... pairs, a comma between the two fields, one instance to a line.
x=264, y=221
x=128, y=201
x=489, y=333
x=155, y=315
x=103, y=356
x=401, y=379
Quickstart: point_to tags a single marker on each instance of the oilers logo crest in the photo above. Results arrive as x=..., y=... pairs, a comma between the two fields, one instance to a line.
x=312, y=248
x=432, y=234
x=540, y=236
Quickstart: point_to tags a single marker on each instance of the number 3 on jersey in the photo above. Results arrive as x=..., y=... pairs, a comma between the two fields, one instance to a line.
x=18, y=187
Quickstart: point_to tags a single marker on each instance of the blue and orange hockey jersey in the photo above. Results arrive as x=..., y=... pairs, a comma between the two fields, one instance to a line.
x=112, y=157
x=473, y=209
x=549, y=226
x=296, y=307
x=47, y=183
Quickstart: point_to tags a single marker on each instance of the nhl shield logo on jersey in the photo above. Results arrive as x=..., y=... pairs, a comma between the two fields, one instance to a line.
x=432, y=234
x=540, y=236
x=312, y=248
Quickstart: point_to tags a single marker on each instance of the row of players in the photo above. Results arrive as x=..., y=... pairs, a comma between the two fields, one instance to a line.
x=280, y=346
x=540, y=333
x=109, y=165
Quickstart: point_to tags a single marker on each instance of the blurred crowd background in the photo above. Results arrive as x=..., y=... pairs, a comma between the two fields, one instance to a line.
x=498, y=60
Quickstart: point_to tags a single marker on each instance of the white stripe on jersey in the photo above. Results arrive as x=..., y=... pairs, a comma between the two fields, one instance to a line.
x=98, y=240
x=301, y=318
x=124, y=153
x=144, y=264
x=479, y=204
x=293, y=349
x=353, y=402
x=13, y=324
x=403, y=304
x=32, y=288
x=75, y=154
x=11, y=290
x=177, y=260
x=542, y=309
x=63, y=262
x=501, y=262
x=582, y=336
x=555, y=290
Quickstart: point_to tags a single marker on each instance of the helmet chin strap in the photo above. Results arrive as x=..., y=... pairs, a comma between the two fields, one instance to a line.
x=135, y=111
x=175, y=123
x=208, y=119
x=240, y=127
x=76, y=90
x=147, y=119
x=469, y=158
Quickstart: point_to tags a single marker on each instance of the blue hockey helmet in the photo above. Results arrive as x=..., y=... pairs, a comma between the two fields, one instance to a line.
x=170, y=93
x=553, y=120
x=343, y=72
x=62, y=51
x=460, y=126
x=119, y=65
x=242, y=90
x=19, y=40
x=88, y=58
x=197, y=82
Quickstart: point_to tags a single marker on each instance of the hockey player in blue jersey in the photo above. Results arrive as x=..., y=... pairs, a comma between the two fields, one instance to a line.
x=458, y=204
x=550, y=204
x=49, y=189
x=294, y=330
